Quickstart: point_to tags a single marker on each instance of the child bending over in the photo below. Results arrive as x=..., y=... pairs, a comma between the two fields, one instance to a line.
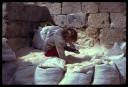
x=53, y=41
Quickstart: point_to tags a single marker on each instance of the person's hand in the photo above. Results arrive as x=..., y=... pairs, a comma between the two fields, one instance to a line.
x=76, y=51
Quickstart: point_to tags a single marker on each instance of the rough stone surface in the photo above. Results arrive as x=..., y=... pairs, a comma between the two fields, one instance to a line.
x=20, y=11
x=60, y=20
x=89, y=7
x=118, y=20
x=17, y=43
x=110, y=36
x=112, y=6
x=4, y=12
x=29, y=3
x=100, y=20
x=18, y=29
x=4, y=27
x=19, y=19
x=54, y=8
x=76, y=20
x=71, y=7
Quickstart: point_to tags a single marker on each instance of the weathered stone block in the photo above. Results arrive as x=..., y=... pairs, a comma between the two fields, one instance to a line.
x=110, y=36
x=60, y=20
x=4, y=12
x=29, y=3
x=118, y=20
x=25, y=12
x=89, y=7
x=71, y=7
x=54, y=8
x=18, y=29
x=4, y=26
x=100, y=20
x=17, y=43
x=76, y=20
x=112, y=6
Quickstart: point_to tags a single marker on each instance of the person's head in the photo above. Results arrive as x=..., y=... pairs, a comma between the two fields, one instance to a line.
x=69, y=35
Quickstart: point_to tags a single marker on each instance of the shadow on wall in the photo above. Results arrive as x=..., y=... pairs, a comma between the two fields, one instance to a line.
x=19, y=21
x=22, y=18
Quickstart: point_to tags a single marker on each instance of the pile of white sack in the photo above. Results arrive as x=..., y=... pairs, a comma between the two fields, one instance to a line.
x=95, y=65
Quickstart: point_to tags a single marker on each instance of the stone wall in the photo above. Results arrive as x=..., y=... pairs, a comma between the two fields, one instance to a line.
x=104, y=22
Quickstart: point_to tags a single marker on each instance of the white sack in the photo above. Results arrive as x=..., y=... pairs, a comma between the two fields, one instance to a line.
x=24, y=74
x=76, y=78
x=121, y=65
x=54, y=62
x=48, y=76
x=7, y=53
x=123, y=46
x=115, y=52
x=8, y=70
x=106, y=74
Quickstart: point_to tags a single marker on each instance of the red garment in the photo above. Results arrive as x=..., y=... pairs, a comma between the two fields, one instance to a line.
x=52, y=52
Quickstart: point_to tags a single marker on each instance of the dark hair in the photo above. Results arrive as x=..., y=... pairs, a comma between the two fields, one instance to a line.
x=73, y=32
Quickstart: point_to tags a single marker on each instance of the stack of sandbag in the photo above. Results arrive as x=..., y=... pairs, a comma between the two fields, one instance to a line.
x=82, y=73
x=50, y=72
x=9, y=62
x=106, y=74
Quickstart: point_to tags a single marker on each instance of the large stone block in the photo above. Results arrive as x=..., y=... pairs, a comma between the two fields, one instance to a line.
x=71, y=7
x=14, y=29
x=110, y=36
x=60, y=20
x=89, y=7
x=17, y=43
x=54, y=8
x=118, y=20
x=100, y=20
x=25, y=12
x=76, y=20
x=4, y=27
x=29, y=2
x=4, y=12
x=112, y=6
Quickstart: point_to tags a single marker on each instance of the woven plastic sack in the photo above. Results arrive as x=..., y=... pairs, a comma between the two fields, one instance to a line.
x=48, y=76
x=121, y=65
x=8, y=70
x=7, y=53
x=78, y=78
x=53, y=62
x=106, y=74
x=24, y=74
x=115, y=50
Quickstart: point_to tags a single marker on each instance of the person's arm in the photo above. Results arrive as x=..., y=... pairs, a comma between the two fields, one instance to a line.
x=60, y=49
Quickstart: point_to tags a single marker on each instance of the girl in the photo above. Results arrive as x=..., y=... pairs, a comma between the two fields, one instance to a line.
x=53, y=40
